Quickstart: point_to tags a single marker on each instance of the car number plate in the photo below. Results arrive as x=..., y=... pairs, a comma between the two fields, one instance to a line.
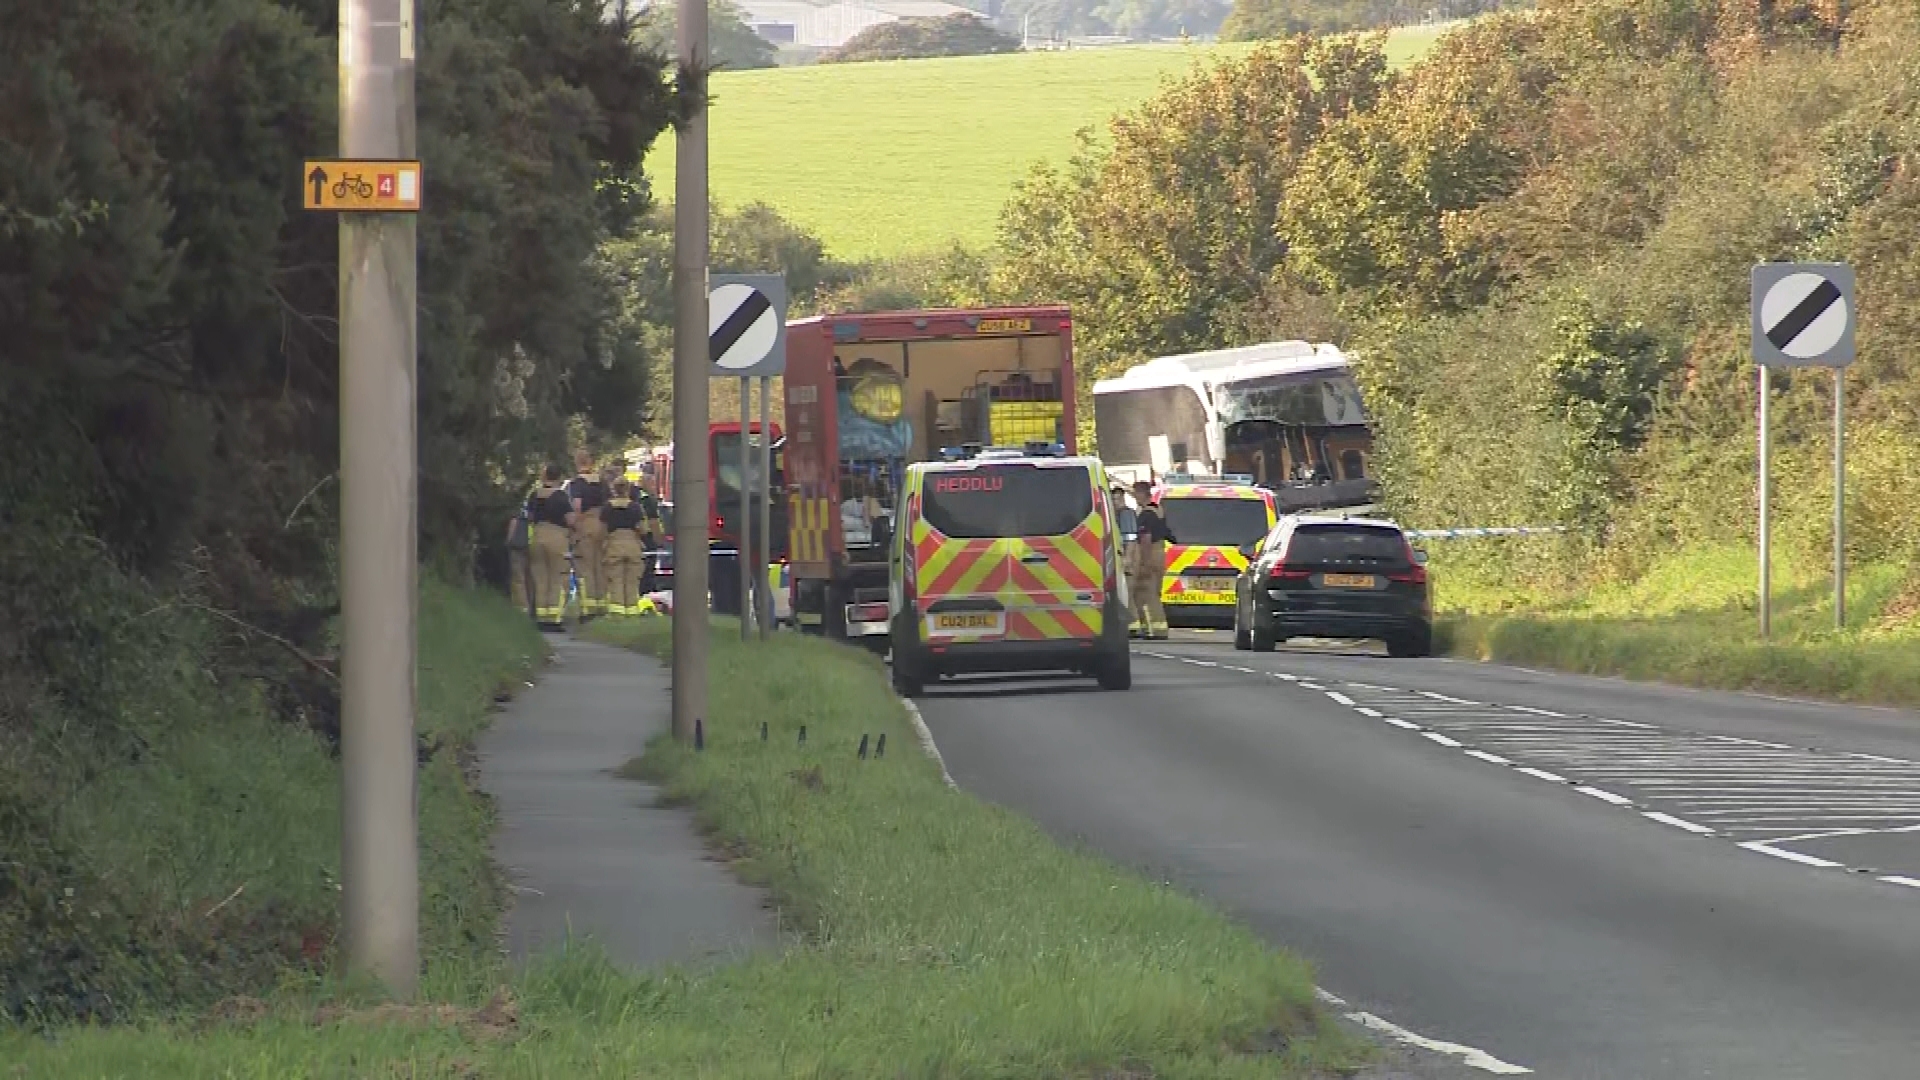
x=1208, y=587
x=966, y=623
x=1348, y=581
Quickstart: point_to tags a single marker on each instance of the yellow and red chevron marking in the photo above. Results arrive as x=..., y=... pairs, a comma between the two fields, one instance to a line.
x=1043, y=601
x=1184, y=557
x=808, y=528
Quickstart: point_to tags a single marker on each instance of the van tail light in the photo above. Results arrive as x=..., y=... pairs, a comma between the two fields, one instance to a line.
x=1414, y=574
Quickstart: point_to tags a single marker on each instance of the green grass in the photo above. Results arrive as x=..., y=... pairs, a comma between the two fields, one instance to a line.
x=909, y=156
x=934, y=936
x=1693, y=619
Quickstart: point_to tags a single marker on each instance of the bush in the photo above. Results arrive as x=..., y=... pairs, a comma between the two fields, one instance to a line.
x=913, y=37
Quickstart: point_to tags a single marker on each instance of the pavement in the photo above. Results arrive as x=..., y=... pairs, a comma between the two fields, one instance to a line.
x=1504, y=871
x=593, y=854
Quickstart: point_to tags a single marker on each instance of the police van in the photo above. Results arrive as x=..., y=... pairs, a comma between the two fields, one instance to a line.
x=1007, y=559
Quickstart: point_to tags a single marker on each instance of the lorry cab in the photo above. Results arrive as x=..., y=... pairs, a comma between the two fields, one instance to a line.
x=1007, y=559
x=1211, y=518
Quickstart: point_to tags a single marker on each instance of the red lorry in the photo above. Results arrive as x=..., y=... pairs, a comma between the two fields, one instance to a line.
x=868, y=394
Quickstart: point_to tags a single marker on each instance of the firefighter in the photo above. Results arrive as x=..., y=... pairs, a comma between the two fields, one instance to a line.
x=518, y=572
x=625, y=557
x=652, y=533
x=1149, y=565
x=550, y=511
x=589, y=536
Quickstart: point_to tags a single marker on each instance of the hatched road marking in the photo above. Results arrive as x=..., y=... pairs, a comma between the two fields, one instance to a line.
x=1758, y=794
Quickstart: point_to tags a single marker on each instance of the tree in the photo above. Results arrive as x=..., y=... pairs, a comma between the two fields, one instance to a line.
x=732, y=43
x=960, y=34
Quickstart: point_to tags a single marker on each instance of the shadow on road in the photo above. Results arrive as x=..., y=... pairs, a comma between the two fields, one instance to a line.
x=1035, y=684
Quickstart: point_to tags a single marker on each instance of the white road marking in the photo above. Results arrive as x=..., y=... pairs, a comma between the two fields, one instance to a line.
x=1469, y=1056
x=1537, y=712
x=1399, y=723
x=1364, y=711
x=1896, y=879
x=1791, y=856
x=927, y=744
x=1439, y=738
x=1340, y=697
x=1445, y=698
x=1495, y=759
x=1545, y=775
x=1604, y=796
x=1305, y=685
x=1284, y=675
x=1682, y=823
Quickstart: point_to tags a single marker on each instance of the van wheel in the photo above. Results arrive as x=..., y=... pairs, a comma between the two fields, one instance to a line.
x=1116, y=671
x=1241, y=639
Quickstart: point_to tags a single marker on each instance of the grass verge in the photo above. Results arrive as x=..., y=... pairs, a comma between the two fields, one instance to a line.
x=1693, y=619
x=934, y=936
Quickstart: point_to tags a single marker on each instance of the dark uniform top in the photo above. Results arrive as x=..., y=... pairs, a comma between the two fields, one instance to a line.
x=621, y=514
x=592, y=494
x=1152, y=526
x=549, y=506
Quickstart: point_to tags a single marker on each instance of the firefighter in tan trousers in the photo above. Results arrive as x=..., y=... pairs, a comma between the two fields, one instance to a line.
x=626, y=557
x=1148, y=570
x=550, y=514
x=589, y=536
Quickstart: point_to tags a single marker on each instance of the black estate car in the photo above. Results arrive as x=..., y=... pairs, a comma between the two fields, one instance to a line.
x=1337, y=578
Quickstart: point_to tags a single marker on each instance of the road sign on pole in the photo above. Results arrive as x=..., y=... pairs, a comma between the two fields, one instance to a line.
x=747, y=324
x=1803, y=314
x=366, y=185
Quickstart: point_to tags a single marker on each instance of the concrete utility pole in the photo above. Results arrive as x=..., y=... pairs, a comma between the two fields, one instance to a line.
x=690, y=373
x=380, y=878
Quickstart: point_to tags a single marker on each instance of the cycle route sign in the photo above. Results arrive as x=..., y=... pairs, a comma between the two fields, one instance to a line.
x=378, y=186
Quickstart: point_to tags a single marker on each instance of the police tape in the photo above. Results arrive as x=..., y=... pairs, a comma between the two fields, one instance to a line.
x=1464, y=534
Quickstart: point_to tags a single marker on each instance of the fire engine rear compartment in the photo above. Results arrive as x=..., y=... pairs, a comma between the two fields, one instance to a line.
x=984, y=377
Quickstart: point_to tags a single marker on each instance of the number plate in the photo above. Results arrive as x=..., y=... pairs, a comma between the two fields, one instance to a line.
x=966, y=623
x=1347, y=581
x=1208, y=588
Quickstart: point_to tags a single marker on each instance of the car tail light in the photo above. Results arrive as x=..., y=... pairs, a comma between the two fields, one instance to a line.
x=1414, y=574
x=719, y=523
x=1283, y=572
x=867, y=612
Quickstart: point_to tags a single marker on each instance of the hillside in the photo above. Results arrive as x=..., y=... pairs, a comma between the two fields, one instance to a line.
x=904, y=156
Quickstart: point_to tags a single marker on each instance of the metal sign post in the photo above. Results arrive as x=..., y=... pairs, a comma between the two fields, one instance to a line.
x=1766, y=505
x=764, y=558
x=1804, y=315
x=744, y=523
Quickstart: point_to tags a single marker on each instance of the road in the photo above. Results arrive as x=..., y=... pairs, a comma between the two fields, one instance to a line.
x=1585, y=878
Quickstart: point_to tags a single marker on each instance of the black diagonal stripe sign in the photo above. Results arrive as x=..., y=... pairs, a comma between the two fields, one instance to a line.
x=737, y=324
x=1796, y=321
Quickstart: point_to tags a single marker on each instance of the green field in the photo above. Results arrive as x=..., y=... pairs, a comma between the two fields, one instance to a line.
x=905, y=156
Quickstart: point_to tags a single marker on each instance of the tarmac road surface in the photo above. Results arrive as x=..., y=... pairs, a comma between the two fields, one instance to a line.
x=1583, y=878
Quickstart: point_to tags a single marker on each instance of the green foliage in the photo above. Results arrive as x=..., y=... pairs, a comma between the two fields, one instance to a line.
x=916, y=37
x=730, y=41
x=1537, y=243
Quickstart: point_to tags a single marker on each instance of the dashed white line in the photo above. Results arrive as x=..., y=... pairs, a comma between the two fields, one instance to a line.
x=1790, y=856
x=1305, y=685
x=1679, y=823
x=1439, y=738
x=1539, y=712
x=1545, y=775
x=1604, y=796
x=1340, y=697
x=1287, y=677
x=1494, y=759
x=1364, y=711
x=1896, y=879
x=1399, y=723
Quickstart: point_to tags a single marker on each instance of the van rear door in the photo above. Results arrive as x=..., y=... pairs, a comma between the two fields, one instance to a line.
x=1020, y=545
